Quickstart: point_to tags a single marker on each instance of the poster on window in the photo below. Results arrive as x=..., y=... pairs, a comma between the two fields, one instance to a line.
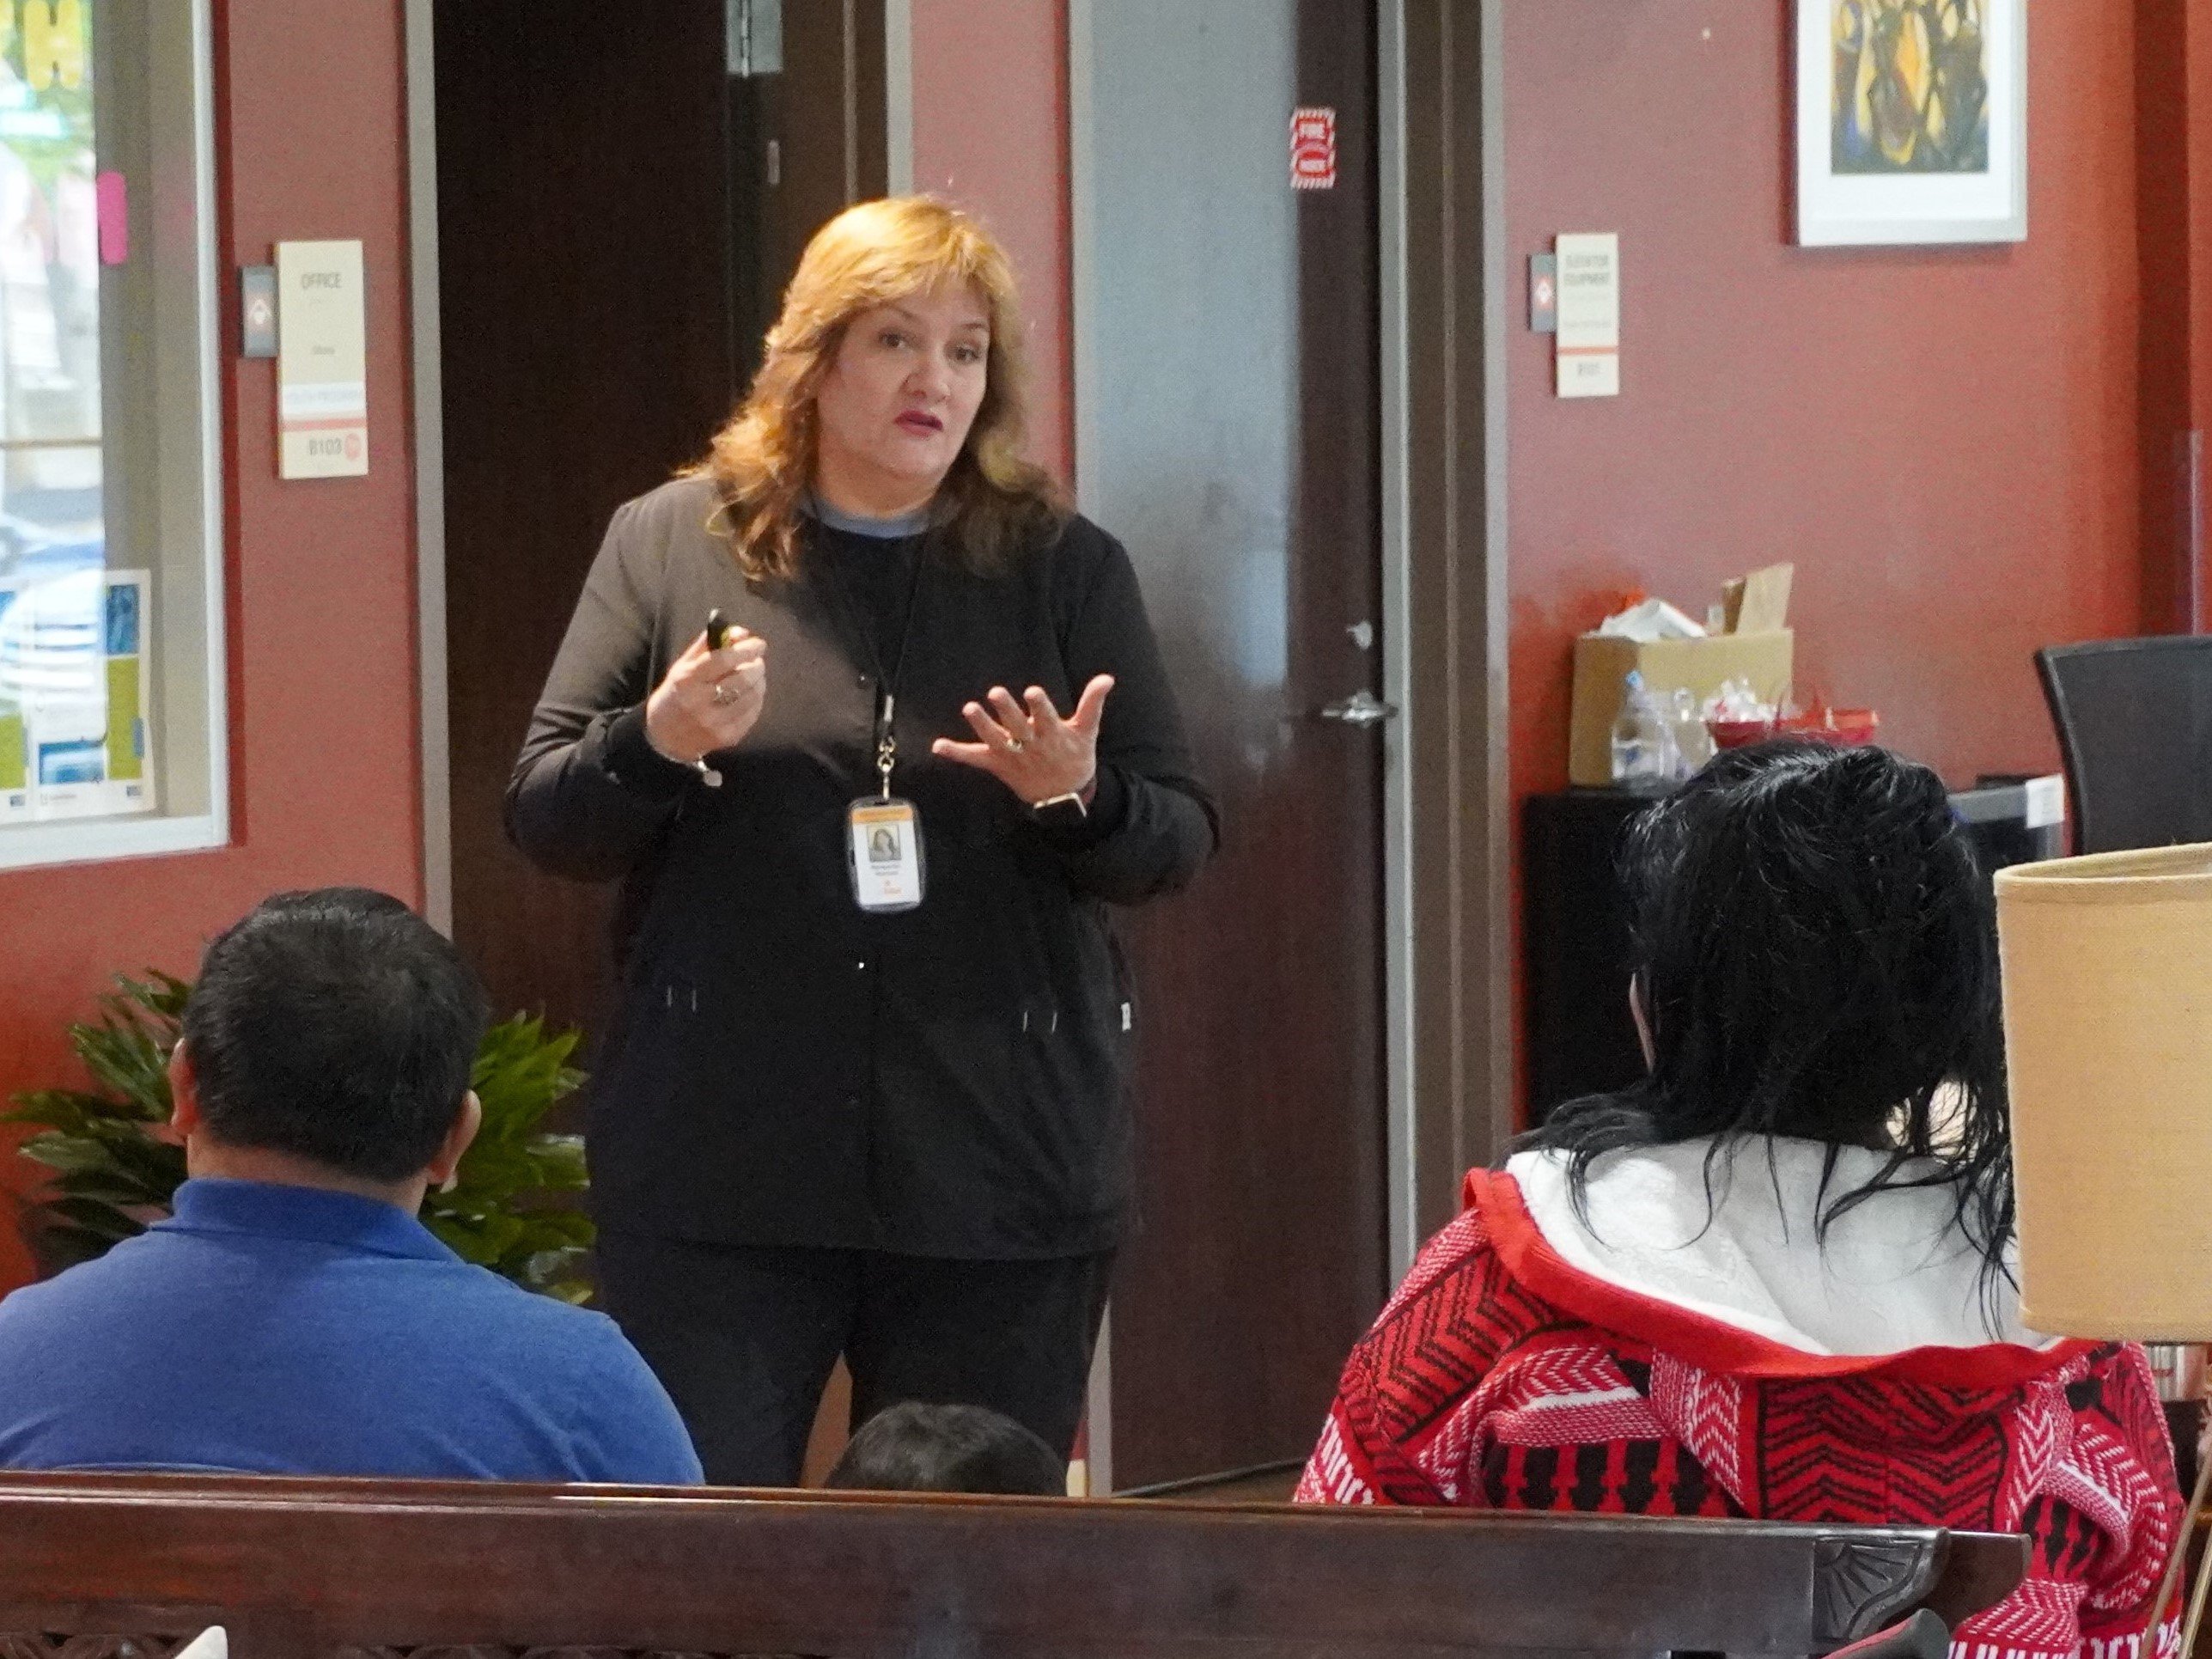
x=1911, y=121
x=16, y=799
x=74, y=674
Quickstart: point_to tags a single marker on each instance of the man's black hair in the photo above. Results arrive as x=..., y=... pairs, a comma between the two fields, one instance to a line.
x=1815, y=953
x=336, y=1025
x=917, y=1448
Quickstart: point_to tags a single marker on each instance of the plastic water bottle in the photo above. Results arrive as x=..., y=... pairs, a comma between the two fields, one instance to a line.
x=1643, y=744
x=1693, y=739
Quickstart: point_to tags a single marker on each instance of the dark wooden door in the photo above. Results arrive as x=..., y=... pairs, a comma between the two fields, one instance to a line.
x=806, y=136
x=614, y=233
x=1229, y=434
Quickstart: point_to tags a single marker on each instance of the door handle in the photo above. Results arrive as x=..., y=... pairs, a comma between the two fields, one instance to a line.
x=1361, y=708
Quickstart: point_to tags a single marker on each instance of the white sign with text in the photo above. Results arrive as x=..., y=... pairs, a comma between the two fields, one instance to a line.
x=322, y=362
x=1589, y=341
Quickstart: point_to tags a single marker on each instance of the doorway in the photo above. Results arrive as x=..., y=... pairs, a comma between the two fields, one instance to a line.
x=1228, y=399
x=619, y=207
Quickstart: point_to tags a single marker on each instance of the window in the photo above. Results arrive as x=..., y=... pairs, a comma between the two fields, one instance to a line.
x=110, y=603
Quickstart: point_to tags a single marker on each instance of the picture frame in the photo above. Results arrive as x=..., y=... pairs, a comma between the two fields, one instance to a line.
x=1911, y=122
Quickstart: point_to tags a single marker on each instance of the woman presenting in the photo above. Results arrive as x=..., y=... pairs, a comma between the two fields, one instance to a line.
x=871, y=730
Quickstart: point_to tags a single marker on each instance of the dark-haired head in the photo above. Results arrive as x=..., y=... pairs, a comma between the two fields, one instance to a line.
x=1814, y=958
x=919, y=1447
x=337, y=1027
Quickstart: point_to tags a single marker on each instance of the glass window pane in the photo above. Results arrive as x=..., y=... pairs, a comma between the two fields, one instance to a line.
x=110, y=647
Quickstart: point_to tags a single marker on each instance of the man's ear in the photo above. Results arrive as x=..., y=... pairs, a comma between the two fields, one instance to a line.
x=185, y=1119
x=466, y=1121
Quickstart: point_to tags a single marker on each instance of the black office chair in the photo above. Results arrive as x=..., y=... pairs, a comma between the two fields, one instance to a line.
x=2135, y=726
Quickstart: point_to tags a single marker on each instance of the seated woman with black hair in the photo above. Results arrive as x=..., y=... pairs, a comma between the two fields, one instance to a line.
x=1771, y=1278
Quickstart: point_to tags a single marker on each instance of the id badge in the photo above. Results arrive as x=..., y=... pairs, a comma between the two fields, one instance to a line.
x=883, y=849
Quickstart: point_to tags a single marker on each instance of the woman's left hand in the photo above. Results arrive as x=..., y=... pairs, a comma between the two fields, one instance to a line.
x=1028, y=748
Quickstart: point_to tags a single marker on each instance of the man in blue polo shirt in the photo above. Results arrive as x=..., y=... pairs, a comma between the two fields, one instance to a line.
x=294, y=1317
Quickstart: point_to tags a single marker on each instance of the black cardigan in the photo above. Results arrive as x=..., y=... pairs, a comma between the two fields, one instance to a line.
x=783, y=1069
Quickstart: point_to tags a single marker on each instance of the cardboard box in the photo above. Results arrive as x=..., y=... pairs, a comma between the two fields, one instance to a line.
x=1701, y=667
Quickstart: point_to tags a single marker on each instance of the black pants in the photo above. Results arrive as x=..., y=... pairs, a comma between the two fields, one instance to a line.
x=744, y=1339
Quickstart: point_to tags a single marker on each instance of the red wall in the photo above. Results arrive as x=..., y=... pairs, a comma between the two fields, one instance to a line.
x=312, y=141
x=990, y=131
x=1945, y=441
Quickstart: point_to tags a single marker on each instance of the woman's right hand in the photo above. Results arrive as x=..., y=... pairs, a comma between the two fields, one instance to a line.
x=708, y=699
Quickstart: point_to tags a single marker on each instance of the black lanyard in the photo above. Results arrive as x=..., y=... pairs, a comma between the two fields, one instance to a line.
x=887, y=684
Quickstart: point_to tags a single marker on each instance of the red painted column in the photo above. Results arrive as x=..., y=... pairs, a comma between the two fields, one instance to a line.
x=2174, y=182
x=2197, y=51
x=1005, y=156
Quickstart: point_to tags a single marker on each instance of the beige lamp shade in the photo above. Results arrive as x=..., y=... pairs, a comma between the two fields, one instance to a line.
x=2108, y=1033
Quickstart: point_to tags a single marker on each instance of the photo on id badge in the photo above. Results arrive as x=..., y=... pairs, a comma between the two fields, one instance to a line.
x=883, y=850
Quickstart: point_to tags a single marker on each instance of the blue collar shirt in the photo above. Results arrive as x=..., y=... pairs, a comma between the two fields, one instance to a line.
x=287, y=1330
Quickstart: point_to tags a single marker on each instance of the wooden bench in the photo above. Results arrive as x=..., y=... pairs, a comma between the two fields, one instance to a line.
x=110, y=1567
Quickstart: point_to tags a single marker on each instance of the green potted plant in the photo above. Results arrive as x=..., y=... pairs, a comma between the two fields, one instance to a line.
x=113, y=1171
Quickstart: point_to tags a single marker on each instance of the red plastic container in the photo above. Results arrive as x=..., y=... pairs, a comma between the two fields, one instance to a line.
x=1846, y=729
x=1736, y=734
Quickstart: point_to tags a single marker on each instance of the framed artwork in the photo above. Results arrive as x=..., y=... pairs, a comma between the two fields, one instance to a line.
x=1911, y=121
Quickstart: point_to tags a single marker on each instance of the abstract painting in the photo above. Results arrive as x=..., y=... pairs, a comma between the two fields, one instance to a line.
x=1912, y=120
x=1912, y=87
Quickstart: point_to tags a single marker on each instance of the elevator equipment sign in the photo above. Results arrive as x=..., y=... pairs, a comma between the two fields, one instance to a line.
x=1588, y=351
x=322, y=362
x=1314, y=148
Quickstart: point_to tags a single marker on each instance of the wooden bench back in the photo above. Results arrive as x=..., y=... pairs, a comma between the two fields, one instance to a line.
x=101, y=1567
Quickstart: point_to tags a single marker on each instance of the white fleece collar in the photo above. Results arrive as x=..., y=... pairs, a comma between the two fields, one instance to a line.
x=1895, y=1272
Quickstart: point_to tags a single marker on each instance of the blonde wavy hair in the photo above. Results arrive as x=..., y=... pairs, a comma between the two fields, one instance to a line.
x=992, y=503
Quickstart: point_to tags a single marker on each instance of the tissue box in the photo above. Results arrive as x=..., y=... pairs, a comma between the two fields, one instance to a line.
x=1701, y=666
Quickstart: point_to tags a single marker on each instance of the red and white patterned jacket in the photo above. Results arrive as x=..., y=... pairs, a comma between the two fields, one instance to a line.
x=1669, y=1357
